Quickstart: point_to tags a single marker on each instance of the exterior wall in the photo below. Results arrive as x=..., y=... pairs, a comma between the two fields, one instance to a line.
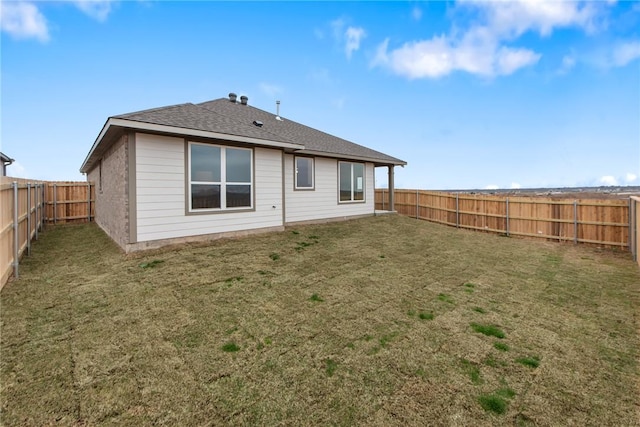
x=112, y=199
x=322, y=202
x=161, y=195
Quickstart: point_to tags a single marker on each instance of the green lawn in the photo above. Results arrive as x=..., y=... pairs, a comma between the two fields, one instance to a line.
x=379, y=321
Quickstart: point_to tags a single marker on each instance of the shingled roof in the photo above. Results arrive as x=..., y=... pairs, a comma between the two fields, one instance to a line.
x=314, y=141
x=223, y=119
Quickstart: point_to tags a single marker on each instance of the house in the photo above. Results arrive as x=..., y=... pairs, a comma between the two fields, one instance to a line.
x=193, y=172
x=5, y=161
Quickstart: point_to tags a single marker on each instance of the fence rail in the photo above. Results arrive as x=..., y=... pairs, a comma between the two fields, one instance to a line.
x=26, y=206
x=593, y=221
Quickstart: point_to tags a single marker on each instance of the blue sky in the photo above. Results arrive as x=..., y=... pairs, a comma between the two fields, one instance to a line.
x=471, y=94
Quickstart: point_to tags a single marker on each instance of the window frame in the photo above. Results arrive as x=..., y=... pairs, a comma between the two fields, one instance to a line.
x=295, y=173
x=364, y=182
x=222, y=183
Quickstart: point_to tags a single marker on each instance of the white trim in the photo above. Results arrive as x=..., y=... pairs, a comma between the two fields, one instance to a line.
x=295, y=173
x=223, y=180
x=364, y=183
x=304, y=152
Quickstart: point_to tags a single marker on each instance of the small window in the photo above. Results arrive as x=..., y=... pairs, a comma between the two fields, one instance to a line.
x=351, y=181
x=220, y=178
x=304, y=173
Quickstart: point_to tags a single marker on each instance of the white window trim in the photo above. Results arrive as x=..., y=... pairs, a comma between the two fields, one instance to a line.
x=222, y=183
x=295, y=173
x=364, y=183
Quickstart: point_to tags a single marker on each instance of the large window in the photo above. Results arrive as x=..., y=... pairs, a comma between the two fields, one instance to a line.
x=220, y=177
x=351, y=181
x=304, y=173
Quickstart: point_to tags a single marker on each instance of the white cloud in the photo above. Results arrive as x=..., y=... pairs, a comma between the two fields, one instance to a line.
x=270, y=89
x=513, y=18
x=625, y=52
x=440, y=56
x=568, y=62
x=353, y=35
x=515, y=185
x=96, y=9
x=416, y=13
x=630, y=177
x=510, y=60
x=491, y=187
x=608, y=180
x=481, y=48
x=23, y=20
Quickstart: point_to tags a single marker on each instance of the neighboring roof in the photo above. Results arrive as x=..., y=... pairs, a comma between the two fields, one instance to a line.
x=223, y=119
x=6, y=160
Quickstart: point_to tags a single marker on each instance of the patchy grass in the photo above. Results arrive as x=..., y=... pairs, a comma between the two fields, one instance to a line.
x=315, y=298
x=151, y=264
x=489, y=330
x=532, y=362
x=500, y=346
x=425, y=315
x=445, y=298
x=330, y=367
x=88, y=337
x=493, y=403
x=230, y=347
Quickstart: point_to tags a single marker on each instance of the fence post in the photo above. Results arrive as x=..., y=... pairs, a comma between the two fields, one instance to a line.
x=55, y=203
x=507, y=216
x=28, y=218
x=457, y=212
x=417, y=204
x=383, y=199
x=632, y=236
x=575, y=222
x=16, y=239
x=88, y=202
x=35, y=195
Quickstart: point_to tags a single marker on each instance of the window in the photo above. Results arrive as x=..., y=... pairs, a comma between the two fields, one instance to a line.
x=351, y=181
x=220, y=178
x=304, y=173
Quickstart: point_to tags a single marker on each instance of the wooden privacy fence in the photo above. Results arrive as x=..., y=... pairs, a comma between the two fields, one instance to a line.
x=596, y=221
x=634, y=228
x=27, y=205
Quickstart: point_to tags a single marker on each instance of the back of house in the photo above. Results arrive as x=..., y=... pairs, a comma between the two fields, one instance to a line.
x=192, y=172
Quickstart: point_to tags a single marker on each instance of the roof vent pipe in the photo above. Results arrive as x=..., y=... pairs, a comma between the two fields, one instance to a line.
x=244, y=100
x=233, y=97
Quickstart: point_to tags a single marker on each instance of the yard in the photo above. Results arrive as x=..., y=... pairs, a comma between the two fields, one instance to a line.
x=378, y=321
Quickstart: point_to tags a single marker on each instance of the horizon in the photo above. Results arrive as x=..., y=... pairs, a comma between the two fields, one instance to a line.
x=486, y=96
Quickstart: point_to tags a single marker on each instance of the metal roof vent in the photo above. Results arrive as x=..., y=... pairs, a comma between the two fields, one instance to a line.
x=278, y=111
x=233, y=97
x=258, y=123
x=244, y=100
